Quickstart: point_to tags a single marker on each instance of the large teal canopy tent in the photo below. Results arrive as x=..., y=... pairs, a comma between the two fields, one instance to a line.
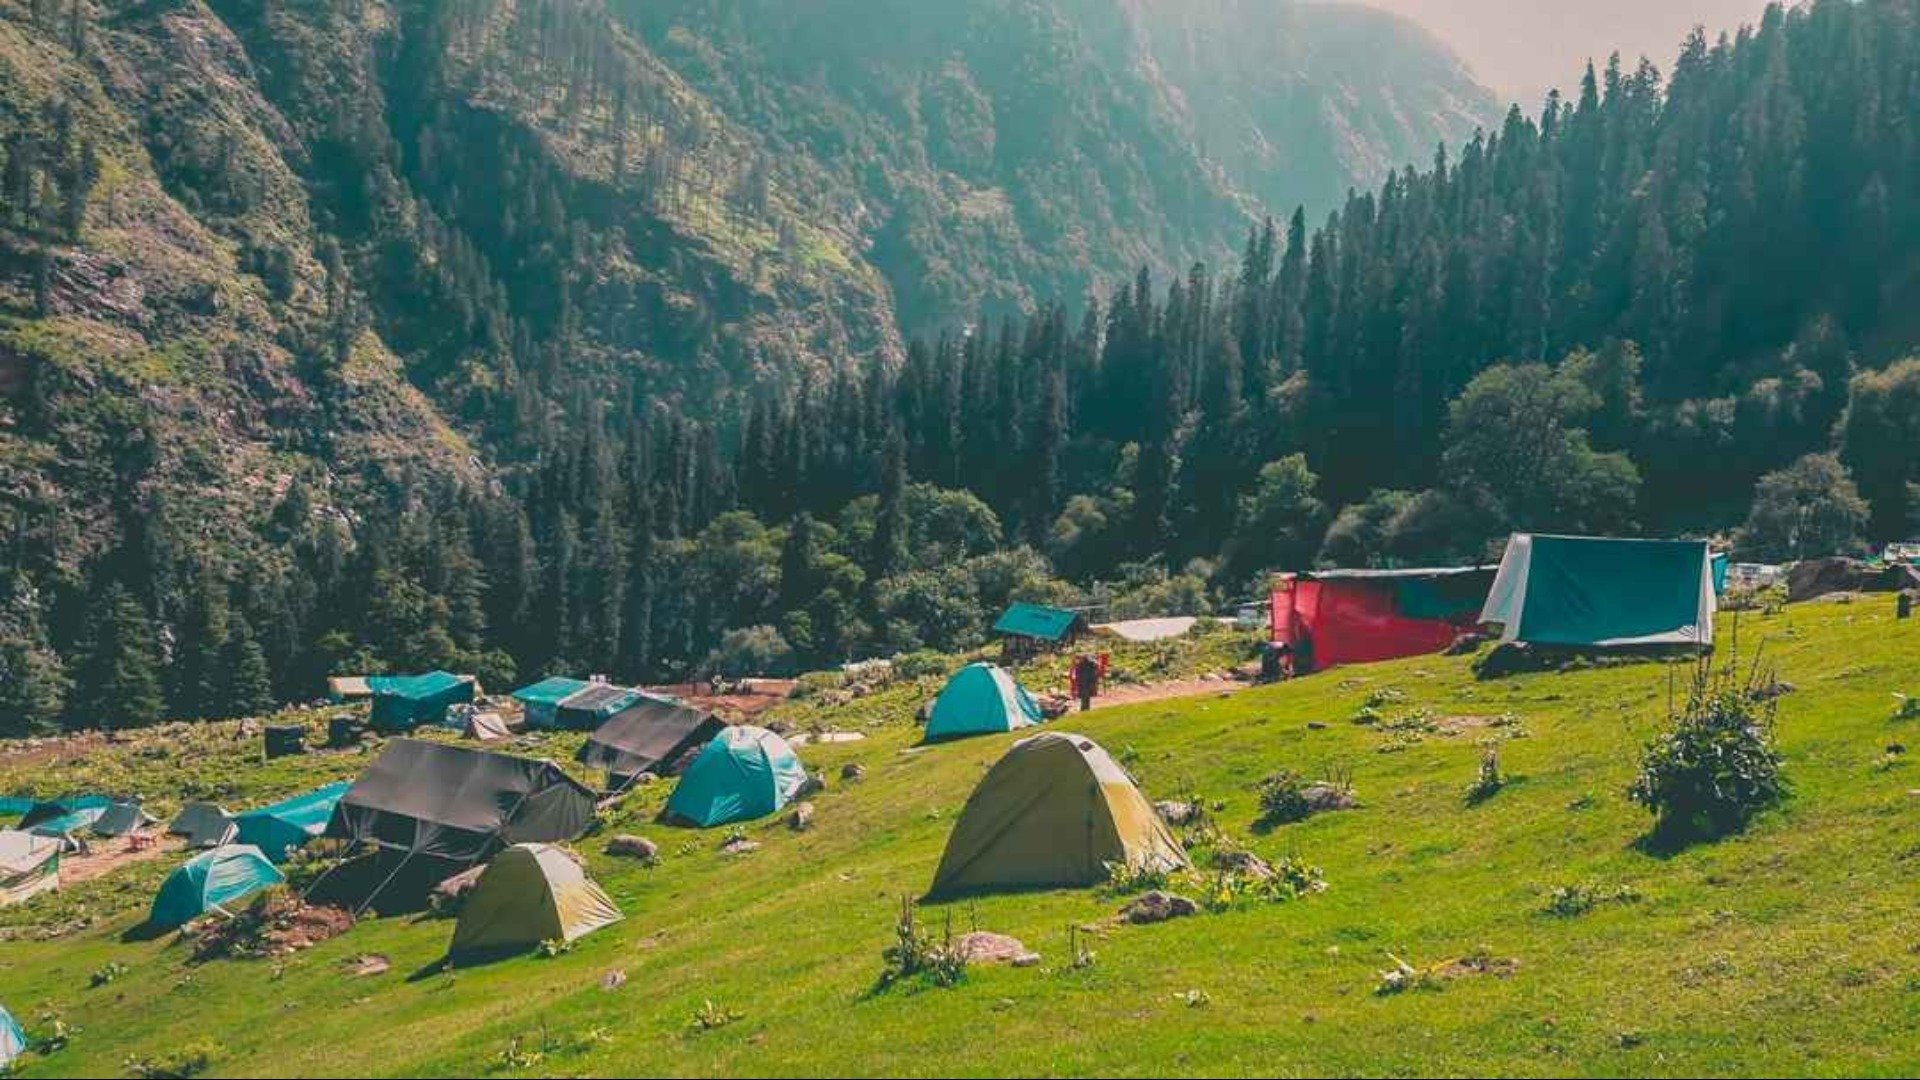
x=1594, y=592
x=210, y=880
x=404, y=702
x=981, y=699
x=284, y=827
x=13, y=1040
x=744, y=773
x=541, y=701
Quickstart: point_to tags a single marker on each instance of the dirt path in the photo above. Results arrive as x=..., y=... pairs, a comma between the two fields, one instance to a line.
x=1135, y=693
x=761, y=695
x=109, y=855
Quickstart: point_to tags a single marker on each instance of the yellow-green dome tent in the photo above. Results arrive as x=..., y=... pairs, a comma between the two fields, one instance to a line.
x=528, y=894
x=1055, y=810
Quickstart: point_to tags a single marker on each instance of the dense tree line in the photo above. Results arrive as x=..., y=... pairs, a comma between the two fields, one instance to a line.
x=1667, y=305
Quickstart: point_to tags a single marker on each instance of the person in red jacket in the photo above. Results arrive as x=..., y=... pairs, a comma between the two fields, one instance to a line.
x=1085, y=676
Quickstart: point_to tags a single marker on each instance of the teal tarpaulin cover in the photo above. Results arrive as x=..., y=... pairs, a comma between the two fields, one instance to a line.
x=404, y=702
x=214, y=879
x=284, y=827
x=1036, y=621
x=1591, y=591
x=981, y=699
x=744, y=773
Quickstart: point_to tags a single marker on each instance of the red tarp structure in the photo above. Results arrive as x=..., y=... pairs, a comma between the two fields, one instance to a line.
x=1359, y=616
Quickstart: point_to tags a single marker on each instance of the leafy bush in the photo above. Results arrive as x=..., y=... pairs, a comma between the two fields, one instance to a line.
x=1125, y=879
x=1905, y=707
x=187, y=1061
x=1568, y=901
x=710, y=1016
x=914, y=954
x=1283, y=798
x=1715, y=765
x=922, y=663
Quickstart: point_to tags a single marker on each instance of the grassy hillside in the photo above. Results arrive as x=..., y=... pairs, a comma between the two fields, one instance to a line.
x=1789, y=948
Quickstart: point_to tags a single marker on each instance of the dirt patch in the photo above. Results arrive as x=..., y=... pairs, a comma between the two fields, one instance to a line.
x=275, y=924
x=1478, y=963
x=738, y=703
x=103, y=857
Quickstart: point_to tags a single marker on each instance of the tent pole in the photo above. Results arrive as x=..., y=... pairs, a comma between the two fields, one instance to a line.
x=375, y=894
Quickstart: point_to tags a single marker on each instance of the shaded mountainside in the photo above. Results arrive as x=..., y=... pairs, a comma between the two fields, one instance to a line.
x=1016, y=151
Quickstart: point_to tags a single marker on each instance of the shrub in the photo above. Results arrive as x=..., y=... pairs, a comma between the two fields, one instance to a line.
x=1488, y=782
x=1283, y=798
x=1124, y=879
x=922, y=663
x=1568, y=901
x=710, y=1016
x=1905, y=707
x=914, y=954
x=187, y=1061
x=1715, y=765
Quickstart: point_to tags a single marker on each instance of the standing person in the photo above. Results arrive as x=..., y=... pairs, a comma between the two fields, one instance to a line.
x=1086, y=680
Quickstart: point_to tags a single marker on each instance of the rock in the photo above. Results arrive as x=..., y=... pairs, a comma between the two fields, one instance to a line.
x=1176, y=813
x=984, y=947
x=450, y=892
x=802, y=817
x=852, y=770
x=643, y=780
x=1322, y=796
x=812, y=785
x=1245, y=863
x=613, y=980
x=779, y=727
x=740, y=847
x=367, y=964
x=1157, y=906
x=1315, y=725
x=629, y=846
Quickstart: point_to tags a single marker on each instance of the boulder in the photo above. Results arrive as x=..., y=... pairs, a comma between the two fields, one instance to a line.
x=1157, y=906
x=626, y=845
x=852, y=770
x=1322, y=796
x=1244, y=863
x=801, y=819
x=741, y=846
x=983, y=947
x=812, y=785
x=1176, y=813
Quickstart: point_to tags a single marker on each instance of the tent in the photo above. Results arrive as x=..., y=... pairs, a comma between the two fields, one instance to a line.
x=1334, y=617
x=457, y=803
x=528, y=894
x=743, y=773
x=29, y=865
x=540, y=701
x=284, y=827
x=123, y=817
x=203, y=824
x=594, y=706
x=1054, y=810
x=13, y=1041
x=485, y=726
x=78, y=811
x=211, y=880
x=981, y=699
x=649, y=736
x=1026, y=629
x=1593, y=592
x=13, y=806
x=404, y=702
x=348, y=688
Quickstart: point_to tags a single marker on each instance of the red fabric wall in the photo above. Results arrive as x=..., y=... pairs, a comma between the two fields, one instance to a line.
x=1352, y=622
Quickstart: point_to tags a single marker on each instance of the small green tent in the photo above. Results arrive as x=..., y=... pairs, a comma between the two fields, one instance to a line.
x=541, y=701
x=528, y=894
x=285, y=827
x=13, y=1041
x=211, y=880
x=202, y=825
x=981, y=699
x=404, y=702
x=1594, y=592
x=744, y=773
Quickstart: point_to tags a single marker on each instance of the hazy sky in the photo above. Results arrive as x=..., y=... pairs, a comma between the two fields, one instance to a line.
x=1521, y=48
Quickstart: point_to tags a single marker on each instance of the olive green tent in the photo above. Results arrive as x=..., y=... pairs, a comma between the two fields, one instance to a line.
x=1054, y=810
x=202, y=825
x=1594, y=592
x=528, y=894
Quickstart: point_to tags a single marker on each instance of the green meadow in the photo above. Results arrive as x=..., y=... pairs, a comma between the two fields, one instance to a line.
x=1789, y=948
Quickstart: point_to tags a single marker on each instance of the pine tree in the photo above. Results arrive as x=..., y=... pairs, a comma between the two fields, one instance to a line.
x=119, y=682
x=246, y=685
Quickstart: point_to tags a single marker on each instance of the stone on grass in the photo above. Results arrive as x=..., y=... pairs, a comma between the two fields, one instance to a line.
x=802, y=817
x=1156, y=906
x=740, y=846
x=626, y=845
x=613, y=980
x=985, y=947
x=852, y=770
x=1322, y=796
x=1244, y=863
x=1176, y=813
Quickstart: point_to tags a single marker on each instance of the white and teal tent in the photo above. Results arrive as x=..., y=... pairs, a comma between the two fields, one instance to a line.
x=211, y=880
x=13, y=1041
x=744, y=773
x=1600, y=592
x=981, y=699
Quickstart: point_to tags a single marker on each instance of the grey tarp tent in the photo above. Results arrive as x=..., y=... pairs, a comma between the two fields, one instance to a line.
x=203, y=824
x=649, y=736
x=122, y=818
x=457, y=803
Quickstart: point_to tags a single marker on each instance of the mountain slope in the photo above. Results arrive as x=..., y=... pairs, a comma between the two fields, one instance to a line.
x=1013, y=151
x=1785, y=950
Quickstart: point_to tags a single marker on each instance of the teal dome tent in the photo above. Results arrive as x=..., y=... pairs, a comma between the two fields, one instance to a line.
x=211, y=880
x=981, y=699
x=13, y=1041
x=744, y=773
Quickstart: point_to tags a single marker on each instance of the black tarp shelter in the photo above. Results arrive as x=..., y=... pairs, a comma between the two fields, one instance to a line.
x=460, y=804
x=650, y=736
